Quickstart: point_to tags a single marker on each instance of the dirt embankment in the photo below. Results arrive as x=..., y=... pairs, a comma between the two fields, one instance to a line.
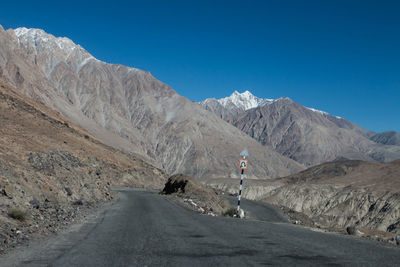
x=51, y=171
x=253, y=189
x=334, y=195
x=342, y=194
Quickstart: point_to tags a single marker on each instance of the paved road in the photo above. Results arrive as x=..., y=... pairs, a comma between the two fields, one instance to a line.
x=145, y=229
x=258, y=211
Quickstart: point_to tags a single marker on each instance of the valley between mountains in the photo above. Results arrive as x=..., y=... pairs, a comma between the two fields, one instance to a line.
x=72, y=128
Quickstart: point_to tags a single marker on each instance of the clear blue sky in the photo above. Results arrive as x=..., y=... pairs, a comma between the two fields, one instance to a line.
x=342, y=57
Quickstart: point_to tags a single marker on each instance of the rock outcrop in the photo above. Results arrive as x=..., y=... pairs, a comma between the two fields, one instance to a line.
x=342, y=194
x=198, y=196
x=339, y=207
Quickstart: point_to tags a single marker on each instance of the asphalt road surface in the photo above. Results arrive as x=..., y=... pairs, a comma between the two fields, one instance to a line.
x=146, y=229
x=258, y=211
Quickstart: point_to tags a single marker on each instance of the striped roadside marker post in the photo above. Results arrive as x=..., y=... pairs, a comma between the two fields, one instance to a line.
x=240, y=190
x=243, y=165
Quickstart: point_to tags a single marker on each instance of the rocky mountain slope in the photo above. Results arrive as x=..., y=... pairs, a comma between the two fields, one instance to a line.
x=387, y=138
x=51, y=170
x=129, y=109
x=341, y=194
x=306, y=135
x=333, y=195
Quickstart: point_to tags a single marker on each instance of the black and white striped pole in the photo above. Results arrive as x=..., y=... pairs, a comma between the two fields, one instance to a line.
x=243, y=165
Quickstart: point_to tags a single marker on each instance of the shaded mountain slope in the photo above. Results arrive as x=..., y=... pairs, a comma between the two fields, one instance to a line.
x=387, y=138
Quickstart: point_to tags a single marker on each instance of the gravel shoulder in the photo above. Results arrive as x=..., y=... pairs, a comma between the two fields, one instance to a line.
x=57, y=242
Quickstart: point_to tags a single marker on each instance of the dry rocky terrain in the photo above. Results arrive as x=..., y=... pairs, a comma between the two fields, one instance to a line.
x=52, y=172
x=333, y=195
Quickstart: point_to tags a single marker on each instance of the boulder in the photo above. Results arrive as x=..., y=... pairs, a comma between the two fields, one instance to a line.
x=68, y=190
x=35, y=203
x=187, y=187
x=351, y=230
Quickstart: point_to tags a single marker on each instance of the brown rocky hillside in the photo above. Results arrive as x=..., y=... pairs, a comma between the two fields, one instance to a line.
x=341, y=194
x=50, y=169
x=334, y=194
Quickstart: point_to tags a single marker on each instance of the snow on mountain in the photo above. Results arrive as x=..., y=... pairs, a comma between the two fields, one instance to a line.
x=243, y=101
x=53, y=50
x=322, y=112
x=59, y=49
x=39, y=37
x=246, y=100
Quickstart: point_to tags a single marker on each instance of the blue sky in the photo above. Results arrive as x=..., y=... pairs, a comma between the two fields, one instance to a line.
x=342, y=57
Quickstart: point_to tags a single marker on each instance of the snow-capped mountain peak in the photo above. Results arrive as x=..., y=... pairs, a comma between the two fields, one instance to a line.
x=244, y=101
x=39, y=37
x=50, y=51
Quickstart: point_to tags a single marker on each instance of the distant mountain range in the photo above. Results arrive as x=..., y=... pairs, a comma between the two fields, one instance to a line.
x=129, y=109
x=387, y=138
x=306, y=135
